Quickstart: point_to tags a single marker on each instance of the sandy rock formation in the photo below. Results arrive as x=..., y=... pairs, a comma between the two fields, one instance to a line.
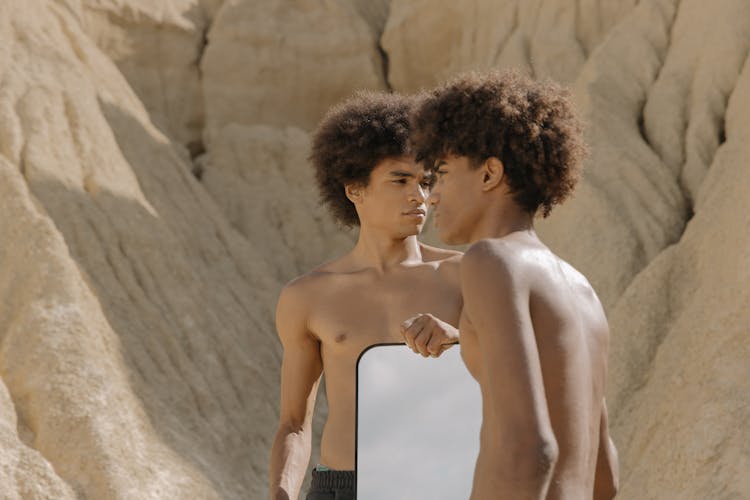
x=157, y=46
x=270, y=65
x=135, y=324
x=137, y=352
x=623, y=175
x=659, y=226
x=681, y=352
x=272, y=198
x=281, y=63
x=375, y=12
x=67, y=381
x=24, y=473
x=547, y=39
x=211, y=7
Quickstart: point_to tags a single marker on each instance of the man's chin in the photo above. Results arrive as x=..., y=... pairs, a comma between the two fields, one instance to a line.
x=412, y=231
x=417, y=228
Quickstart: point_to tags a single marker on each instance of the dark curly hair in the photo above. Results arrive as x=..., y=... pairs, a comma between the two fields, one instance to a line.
x=352, y=139
x=528, y=125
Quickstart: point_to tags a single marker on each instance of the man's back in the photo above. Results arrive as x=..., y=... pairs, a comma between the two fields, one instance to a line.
x=571, y=338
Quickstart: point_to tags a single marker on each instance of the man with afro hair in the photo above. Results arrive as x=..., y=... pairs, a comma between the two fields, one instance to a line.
x=368, y=178
x=533, y=332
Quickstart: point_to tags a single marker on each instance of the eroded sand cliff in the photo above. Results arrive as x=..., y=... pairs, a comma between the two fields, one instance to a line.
x=155, y=195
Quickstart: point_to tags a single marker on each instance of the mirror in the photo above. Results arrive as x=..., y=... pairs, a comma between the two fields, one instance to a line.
x=418, y=423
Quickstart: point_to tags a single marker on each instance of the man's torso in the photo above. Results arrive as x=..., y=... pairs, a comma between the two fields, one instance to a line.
x=352, y=310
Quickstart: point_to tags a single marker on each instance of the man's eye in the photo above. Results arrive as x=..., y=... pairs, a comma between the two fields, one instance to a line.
x=400, y=181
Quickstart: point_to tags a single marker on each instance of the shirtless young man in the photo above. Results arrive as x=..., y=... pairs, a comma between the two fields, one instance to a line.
x=532, y=330
x=328, y=316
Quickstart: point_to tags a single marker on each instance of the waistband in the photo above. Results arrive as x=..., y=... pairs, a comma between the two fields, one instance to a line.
x=333, y=479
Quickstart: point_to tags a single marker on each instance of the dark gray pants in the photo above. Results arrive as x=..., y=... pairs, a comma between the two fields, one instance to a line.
x=331, y=485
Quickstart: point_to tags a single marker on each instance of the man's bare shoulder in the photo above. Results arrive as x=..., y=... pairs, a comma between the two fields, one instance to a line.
x=490, y=255
x=522, y=266
x=297, y=297
x=490, y=276
x=575, y=277
x=517, y=258
x=309, y=283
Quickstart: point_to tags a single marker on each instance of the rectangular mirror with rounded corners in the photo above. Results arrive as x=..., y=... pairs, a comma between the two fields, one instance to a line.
x=418, y=423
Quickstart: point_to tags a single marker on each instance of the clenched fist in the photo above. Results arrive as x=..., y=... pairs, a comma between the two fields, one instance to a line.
x=427, y=335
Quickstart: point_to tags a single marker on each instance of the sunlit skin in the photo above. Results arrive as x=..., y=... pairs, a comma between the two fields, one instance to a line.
x=328, y=316
x=534, y=335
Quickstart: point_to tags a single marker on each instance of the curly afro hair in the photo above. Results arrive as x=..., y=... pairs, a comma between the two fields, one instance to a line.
x=352, y=139
x=528, y=125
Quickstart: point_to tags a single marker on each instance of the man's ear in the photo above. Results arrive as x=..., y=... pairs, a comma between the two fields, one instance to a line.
x=492, y=173
x=354, y=193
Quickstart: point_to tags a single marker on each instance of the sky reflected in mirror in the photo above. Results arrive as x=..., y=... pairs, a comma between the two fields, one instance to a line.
x=418, y=425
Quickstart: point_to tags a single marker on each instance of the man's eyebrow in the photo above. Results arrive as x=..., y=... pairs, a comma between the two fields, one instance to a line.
x=440, y=163
x=401, y=173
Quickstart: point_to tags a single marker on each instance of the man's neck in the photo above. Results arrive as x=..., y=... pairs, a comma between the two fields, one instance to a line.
x=381, y=252
x=500, y=220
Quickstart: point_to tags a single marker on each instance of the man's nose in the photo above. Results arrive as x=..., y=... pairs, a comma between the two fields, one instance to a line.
x=419, y=194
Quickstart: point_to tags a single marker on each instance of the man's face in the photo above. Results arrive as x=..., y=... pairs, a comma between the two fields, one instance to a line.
x=455, y=199
x=394, y=199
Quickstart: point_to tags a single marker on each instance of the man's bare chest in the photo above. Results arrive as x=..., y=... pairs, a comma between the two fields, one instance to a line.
x=354, y=318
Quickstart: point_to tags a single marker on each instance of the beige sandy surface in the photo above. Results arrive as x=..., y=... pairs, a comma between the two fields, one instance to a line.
x=155, y=195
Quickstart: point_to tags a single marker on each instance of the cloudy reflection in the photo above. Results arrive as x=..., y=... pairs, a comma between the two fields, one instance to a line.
x=417, y=425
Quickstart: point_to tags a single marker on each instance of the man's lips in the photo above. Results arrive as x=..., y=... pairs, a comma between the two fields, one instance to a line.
x=416, y=211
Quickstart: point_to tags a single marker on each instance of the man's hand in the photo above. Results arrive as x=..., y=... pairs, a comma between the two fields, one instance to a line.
x=427, y=335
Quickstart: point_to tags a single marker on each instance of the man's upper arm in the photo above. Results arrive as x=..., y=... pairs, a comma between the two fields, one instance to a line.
x=496, y=302
x=302, y=365
x=606, y=481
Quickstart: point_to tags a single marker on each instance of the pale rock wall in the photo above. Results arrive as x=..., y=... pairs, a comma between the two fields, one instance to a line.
x=24, y=473
x=135, y=324
x=659, y=224
x=63, y=368
x=685, y=108
x=268, y=66
x=429, y=40
x=282, y=62
x=211, y=7
x=374, y=12
x=138, y=277
x=682, y=346
x=273, y=201
x=157, y=46
x=623, y=176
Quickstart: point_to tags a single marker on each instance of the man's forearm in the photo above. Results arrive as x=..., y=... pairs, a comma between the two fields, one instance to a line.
x=290, y=455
